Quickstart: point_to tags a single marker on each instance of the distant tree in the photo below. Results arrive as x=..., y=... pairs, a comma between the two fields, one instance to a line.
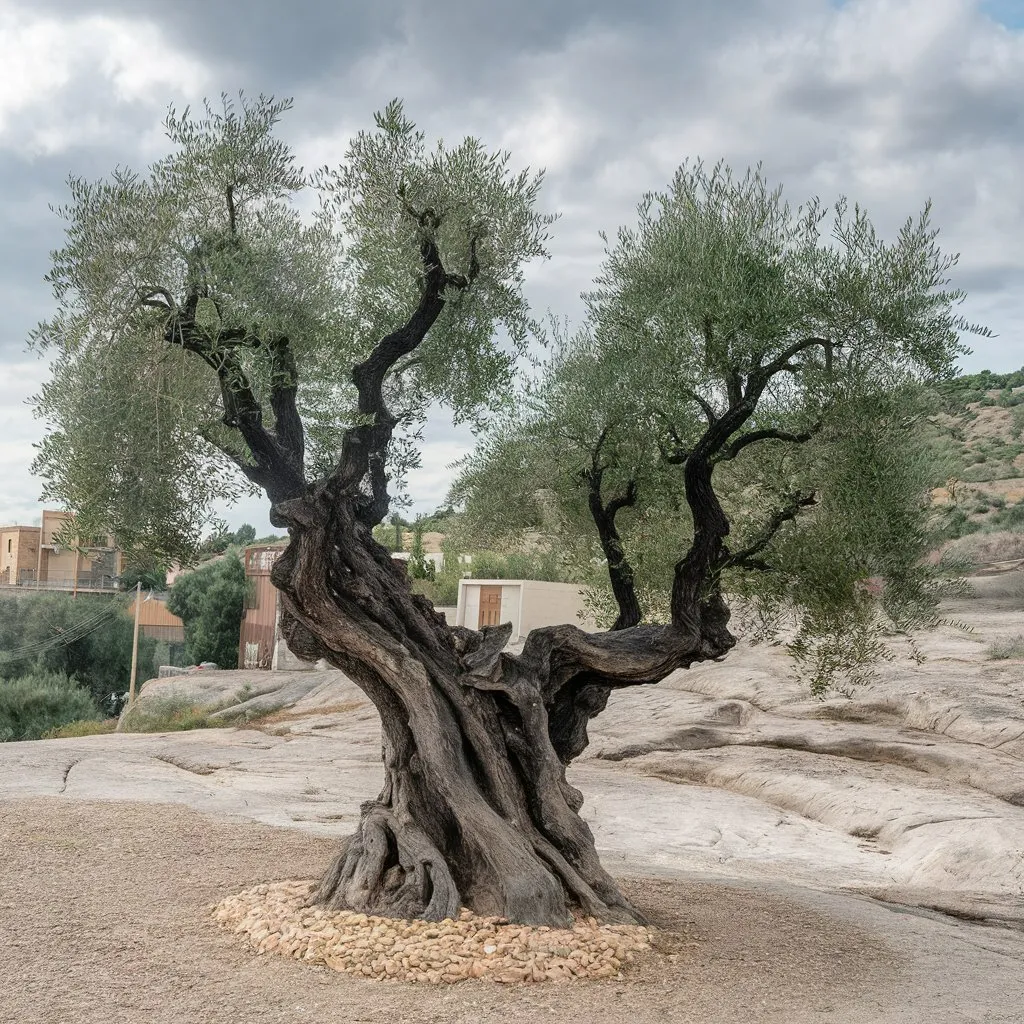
x=322, y=343
x=88, y=639
x=244, y=535
x=151, y=578
x=210, y=601
x=420, y=567
x=222, y=538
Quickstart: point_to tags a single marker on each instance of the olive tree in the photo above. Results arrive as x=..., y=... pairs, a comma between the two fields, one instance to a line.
x=744, y=412
x=209, y=331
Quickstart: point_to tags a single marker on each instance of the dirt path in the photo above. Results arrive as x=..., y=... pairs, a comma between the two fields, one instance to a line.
x=103, y=917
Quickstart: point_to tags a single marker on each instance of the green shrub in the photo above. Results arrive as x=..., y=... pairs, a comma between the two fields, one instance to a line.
x=442, y=591
x=32, y=705
x=1010, y=517
x=179, y=714
x=979, y=473
x=88, y=639
x=955, y=522
x=1018, y=420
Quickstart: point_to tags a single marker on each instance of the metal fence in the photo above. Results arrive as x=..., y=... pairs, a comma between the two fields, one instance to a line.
x=63, y=581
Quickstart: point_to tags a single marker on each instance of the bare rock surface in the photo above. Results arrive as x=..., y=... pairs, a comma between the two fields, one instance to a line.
x=911, y=788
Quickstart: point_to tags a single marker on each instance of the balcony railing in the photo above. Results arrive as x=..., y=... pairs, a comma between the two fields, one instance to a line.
x=64, y=581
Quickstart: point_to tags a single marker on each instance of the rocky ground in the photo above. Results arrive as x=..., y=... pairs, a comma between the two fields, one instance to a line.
x=860, y=858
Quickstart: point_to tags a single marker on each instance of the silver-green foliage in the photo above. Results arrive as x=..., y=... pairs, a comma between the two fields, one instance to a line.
x=329, y=260
x=719, y=282
x=33, y=704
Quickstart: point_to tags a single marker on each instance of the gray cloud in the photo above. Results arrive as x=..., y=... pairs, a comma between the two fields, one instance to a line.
x=887, y=102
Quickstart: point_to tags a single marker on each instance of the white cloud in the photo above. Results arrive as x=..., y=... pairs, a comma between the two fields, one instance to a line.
x=49, y=68
x=18, y=431
x=888, y=101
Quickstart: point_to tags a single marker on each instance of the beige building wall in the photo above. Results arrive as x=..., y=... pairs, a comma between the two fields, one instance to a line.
x=97, y=562
x=468, y=607
x=552, y=604
x=59, y=565
x=527, y=604
x=19, y=551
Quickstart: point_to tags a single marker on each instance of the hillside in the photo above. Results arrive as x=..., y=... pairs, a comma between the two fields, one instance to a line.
x=982, y=431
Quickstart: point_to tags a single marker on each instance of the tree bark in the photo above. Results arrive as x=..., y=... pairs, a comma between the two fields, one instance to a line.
x=475, y=809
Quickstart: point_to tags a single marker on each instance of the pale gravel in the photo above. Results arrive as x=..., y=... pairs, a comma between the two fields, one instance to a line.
x=105, y=917
x=281, y=919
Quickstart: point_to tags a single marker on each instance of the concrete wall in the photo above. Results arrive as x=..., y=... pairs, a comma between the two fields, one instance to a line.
x=552, y=604
x=512, y=605
x=527, y=604
x=468, y=607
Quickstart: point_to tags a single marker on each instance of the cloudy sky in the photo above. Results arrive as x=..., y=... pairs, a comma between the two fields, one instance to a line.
x=887, y=101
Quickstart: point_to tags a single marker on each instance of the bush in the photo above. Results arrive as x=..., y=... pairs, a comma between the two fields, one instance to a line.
x=979, y=548
x=179, y=714
x=1018, y=420
x=172, y=714
x=442, y=591
x=88, y=639
x=1009, y=517
x=1007, y=647
x=979, y=473
x=32, y=705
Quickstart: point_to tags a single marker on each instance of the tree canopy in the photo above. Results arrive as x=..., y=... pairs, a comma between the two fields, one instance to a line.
x=210, y=601
x=724, y=328
x=189, y=295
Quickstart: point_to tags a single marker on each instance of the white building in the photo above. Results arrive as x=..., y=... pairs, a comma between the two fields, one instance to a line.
x=527, y=604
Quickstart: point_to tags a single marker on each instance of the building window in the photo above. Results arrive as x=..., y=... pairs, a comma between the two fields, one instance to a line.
x=8, y=545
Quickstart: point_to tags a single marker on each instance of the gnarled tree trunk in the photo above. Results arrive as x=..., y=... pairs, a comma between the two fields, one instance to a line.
x=475, y=810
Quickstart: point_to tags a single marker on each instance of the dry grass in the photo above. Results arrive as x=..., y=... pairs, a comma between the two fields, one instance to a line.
x=171, y=714
x=1006, y=648
x=980, y=548
x=83, y=727
x=282, y=716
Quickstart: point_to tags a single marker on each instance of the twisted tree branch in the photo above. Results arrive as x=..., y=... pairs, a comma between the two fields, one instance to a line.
x=745, y=558
x=620, y=571
x=753, y=436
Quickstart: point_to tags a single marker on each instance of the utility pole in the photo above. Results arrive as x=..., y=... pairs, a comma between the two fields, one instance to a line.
x=135, y=643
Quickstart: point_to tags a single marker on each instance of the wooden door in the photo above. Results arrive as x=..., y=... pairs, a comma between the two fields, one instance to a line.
x=490, y=606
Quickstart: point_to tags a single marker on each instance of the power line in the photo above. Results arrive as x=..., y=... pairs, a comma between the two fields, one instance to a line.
x=73, y=634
